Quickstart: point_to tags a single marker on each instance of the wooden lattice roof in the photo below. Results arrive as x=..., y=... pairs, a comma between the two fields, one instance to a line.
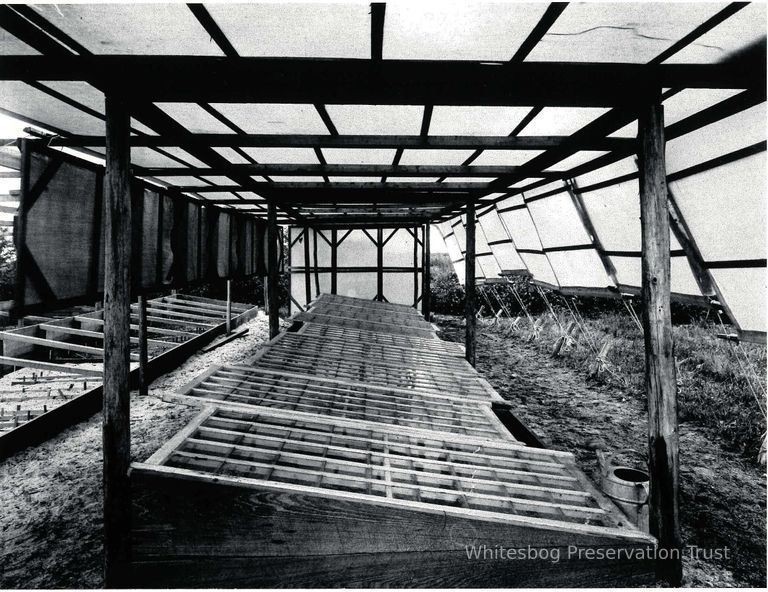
x=375, y=114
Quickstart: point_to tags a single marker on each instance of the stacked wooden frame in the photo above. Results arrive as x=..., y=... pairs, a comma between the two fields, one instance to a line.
x=360, y=449
x=177, y=325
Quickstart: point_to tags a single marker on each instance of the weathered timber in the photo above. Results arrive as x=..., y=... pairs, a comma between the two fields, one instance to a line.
x=272, y=275
x=117, y=315
x=469, y=285
x=660, y=380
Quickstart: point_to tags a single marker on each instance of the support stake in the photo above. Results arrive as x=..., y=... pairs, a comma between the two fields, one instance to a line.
x=274, y=320
x=229, y=306
x=143, y=390
x=426, y=275
x=469, y=285
x=660, y=381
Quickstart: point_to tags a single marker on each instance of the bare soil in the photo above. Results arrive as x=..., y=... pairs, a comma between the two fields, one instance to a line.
x=50, y=495
x=723, y=494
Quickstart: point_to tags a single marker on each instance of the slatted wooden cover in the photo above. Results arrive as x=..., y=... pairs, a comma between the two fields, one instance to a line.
x=365, y=315
x=382, y=418
x=475, y=478
x=299, y=393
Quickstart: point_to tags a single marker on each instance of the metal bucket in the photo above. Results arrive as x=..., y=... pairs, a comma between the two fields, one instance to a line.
x=628, y=488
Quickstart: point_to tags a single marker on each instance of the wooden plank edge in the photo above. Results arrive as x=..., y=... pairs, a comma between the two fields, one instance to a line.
x=630, y=535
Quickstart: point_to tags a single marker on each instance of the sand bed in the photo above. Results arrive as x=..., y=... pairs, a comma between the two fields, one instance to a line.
x=50, y=495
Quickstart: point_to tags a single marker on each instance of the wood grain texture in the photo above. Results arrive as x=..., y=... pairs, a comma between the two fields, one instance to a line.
x=117, y=345
x=247, y=538
x=660, y=380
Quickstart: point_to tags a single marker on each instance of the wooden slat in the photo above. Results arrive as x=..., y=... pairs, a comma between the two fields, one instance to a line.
x=98, y=335
x=319, y=459
x=135, y=327
x=24, y=363
x=54, y=344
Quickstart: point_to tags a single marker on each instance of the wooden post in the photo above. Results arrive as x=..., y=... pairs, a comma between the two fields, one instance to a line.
x=143, y=390
x=117, y=318
x=229, y=306
x=274, y=320
x=426, y=275
x=469, y=284
x=334, y=259
x=380, y=265
x=660, y=380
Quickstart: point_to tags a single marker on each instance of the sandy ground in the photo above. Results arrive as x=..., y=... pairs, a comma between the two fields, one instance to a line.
x=35, y=390
x=50, y=495
x=723, y=495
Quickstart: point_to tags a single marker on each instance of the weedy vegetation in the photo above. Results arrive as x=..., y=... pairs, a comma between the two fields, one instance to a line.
x=721, y=384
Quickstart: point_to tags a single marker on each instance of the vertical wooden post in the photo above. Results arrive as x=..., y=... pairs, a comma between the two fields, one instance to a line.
x=660, y=380
x=229, y=306
x=380, y=265
x=469, y=284
x=307, y=273
x=334, y=259
x=314, y=257
x=426, y=275
x=274, y=320
x=143, y=390
x=117, y=315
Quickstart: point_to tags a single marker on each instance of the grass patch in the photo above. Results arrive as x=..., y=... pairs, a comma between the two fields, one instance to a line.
x=713, y=375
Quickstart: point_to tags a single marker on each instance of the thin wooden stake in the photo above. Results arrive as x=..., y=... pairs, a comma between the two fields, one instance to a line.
x=660, y=380
x=469, y=285
x=143, y=357
x=117, y=315
x=272, y=276
x=229, y=306
x=426, y=277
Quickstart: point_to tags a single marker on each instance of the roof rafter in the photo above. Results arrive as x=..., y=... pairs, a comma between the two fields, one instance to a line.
x=554, y=10
x=260, y=187
x=212, y=28
x=378, y=10
x=355, y=141
x=299, y=80
x=340, y=170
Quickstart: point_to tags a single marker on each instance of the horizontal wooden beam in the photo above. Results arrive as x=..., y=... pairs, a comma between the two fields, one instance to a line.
x=55, y=344
x=97, y=334
x=355, y=141
x=134, y=327
x=336, y=170
x=49, y=366
x=276, y=188
x=373, y=218
x=331, y=81
x=362, y=197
